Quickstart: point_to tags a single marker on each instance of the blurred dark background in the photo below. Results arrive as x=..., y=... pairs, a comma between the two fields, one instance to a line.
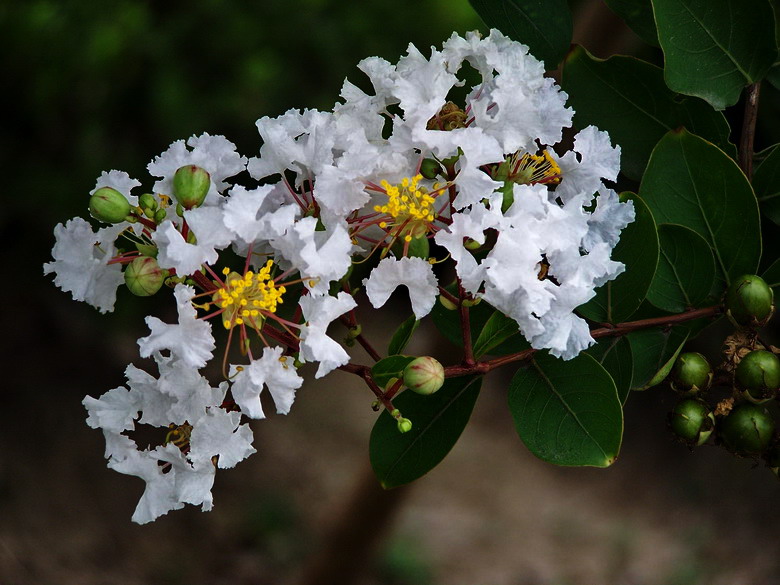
x=97, y=86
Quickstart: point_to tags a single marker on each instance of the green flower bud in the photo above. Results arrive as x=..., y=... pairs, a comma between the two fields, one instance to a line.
x=109, y=205
x=424, y=375
x=159, y=216
x=747, y=429
x=692, y=421
x=190, y=186
x=430, y=168
x=472, y=245
x=147, y=201
x=447, y=303
x=749, y=301
x=758, y=374
x=144, y=277
x=692, y=373
x=404, y=425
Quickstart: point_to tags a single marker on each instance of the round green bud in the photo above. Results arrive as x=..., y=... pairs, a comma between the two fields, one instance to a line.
x=747, y=430
x=424, y=375
x=758, y=374
x=144, y=277
x=109, y=205
x=190, y=186
x=691, y=373
x=147, y=201
x=430, y=168
x=160, y=215
x=749, y=301
x=404, y=425
x=692, y=421
x=472, y=245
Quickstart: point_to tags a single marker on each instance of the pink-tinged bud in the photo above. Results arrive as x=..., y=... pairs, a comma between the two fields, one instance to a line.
x=109, y=205
x=190, y=186
x=144, y=277
x=424, y=375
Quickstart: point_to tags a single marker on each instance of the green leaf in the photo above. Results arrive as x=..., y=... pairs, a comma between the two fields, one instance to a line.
x=448, y=322
x=654, y=352
x=772, y=274
x=766, y=184
x=629, y=99
x=614, y=354
x=390, y=367
x=693, y=183
x=544, y=25
x=638, y=15
x=402, y=335
x=437, y=422
x=567, y=412
x=713, y=48
x=686, y=270
x=498, y=329
x=617, y=300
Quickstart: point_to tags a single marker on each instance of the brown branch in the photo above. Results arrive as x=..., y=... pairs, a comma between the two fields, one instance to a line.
x=749, y=130
x=465, y=326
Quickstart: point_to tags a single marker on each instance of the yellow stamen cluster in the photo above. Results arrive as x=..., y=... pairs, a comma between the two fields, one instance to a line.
x=247, y=297
x=534, y=168
x=407, y=202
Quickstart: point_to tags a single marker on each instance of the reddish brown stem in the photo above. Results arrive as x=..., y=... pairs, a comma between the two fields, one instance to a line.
x=749, y=130
x=465, y=326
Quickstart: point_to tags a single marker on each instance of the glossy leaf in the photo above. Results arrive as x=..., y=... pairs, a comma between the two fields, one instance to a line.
x=766, y=183
x=388, y=368
x=686, y=270
x=654, y=352
x=448, y=321
x=614, y=355
x=545, y=26
x=567, y=412
x=402, y=335
x=617, y=300
x=437, y=422
x=499, y=335
x=638, y=15
x=629, y=99
x=714, y=48
x=693, y=183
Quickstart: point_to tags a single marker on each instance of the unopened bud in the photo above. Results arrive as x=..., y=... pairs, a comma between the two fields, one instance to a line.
x=160, y=215
x=147, y=201
x=404, y=425
x=747, y=430
x=447, y=303
x=144, y=277
x=424, y=375
x=472, y=245
x=692, y=421
x=109, y=205
x=190, y=186
x=692, y=373
x=749, y=301
x=758, y=374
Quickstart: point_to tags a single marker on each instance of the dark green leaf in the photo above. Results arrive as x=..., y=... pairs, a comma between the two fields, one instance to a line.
x=693, y=183
x=498, y=329
x=402, y=335
x=390, y=367
x=544, y=25
x=629, y=99
x=686, y=270
x=617, y=300
x=654, y=352
x=614, y=354
x=766, y=184
x=448, y=322
x=638, y=14
x=772, y=275
x=713, y=48
x=437, y=422
x=567, y=412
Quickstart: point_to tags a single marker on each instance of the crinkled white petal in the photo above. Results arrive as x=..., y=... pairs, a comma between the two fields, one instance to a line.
x=272, y=370
x=414, y=273
x=191, y=480
x=220, y=434
x=319, y=311
x=583, y=173
x=114, y=411
x=81, y=263
x=608, y=219
x=190, y=340
x=260, y=213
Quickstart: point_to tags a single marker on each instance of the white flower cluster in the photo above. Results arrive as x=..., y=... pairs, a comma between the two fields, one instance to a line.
x=390, y=176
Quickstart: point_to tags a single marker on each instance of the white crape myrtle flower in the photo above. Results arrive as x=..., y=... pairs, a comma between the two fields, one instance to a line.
x=81, y=263
x=414, y=273
x=214, y=154
x=190, y=340
x=272, y=370
x=257, y=215
x=220, y=434
x=120, y=181
x=318, y=312
x=592, y=159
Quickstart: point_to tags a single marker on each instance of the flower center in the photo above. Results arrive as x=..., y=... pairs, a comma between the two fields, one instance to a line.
x=530, y=169
x=408, y=205
x=248, y=297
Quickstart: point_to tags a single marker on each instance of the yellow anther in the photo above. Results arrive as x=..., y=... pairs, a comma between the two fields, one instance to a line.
x=226, y=271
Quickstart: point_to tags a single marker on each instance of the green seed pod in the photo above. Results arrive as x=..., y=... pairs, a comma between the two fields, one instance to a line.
x=747, y=430
x=144, y=277
x=190, y=186
x=692, y=421
x=749, y=301
x=758, y=374
x=692, y=373
x=109, y=205
x=430, y=168
x=424, y=375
